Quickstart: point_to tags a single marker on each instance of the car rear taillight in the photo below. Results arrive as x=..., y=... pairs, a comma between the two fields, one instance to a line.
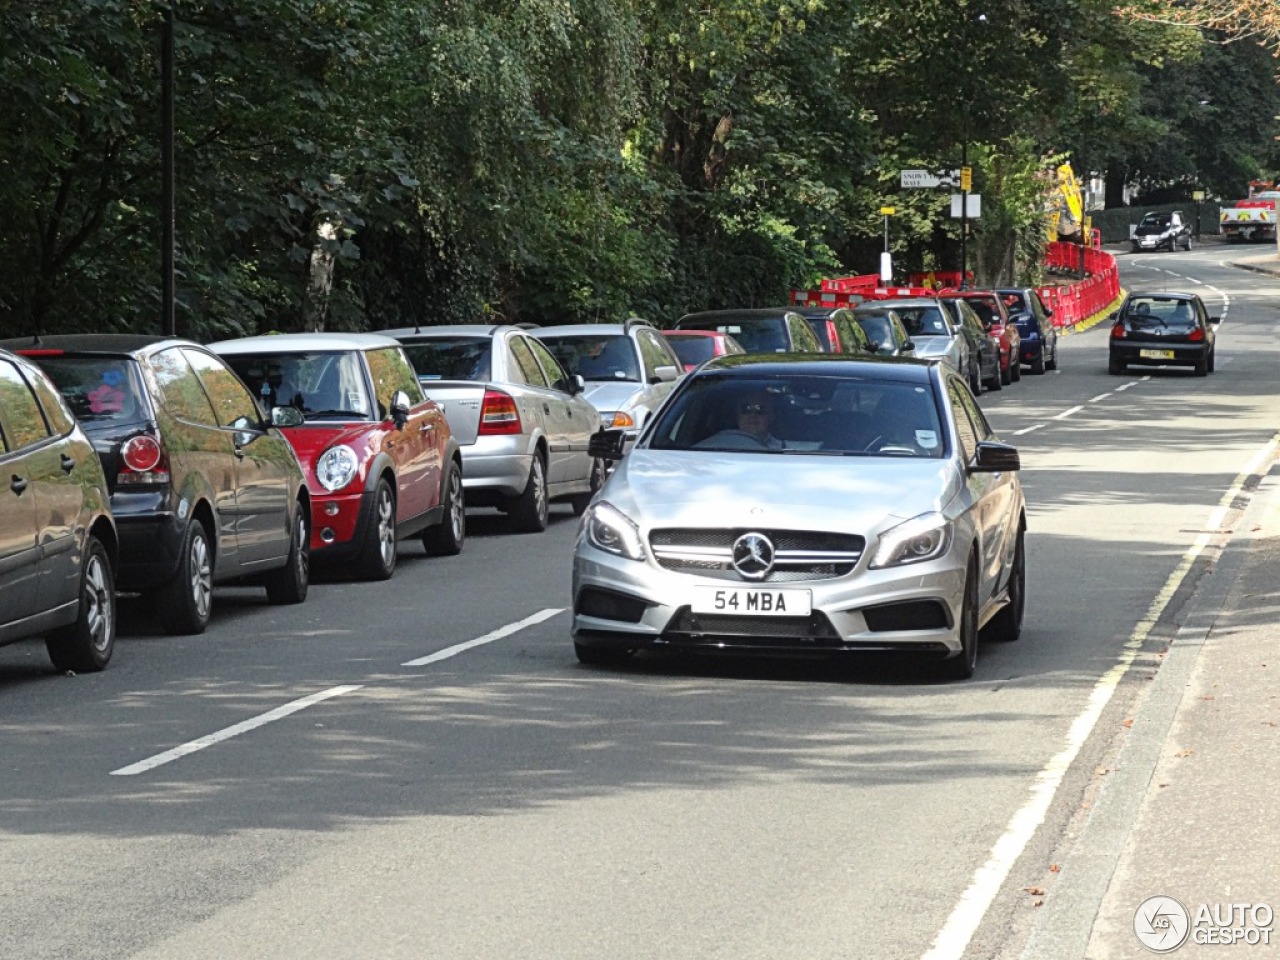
x=498, y=415
x=1118, y=331
x=1196, y=335
x=142, y=461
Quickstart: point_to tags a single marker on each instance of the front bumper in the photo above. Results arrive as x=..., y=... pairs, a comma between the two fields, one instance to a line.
x=338, y=524
x=632, y=605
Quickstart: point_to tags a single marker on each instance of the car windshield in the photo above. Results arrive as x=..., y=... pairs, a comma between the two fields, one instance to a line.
x=693, y=350
x=1156, y=220
x=923, y=321
x=324, y=386
x=450, y=358
x=595, y=356
x=1149, y=313
x=802, y=415
x=97, y=389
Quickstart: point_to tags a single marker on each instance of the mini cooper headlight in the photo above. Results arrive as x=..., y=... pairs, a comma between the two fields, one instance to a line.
x=925, y=537
x=337, y=467
x=607, y=528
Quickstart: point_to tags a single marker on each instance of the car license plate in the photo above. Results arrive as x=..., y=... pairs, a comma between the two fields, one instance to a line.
x=1156, y=354
x=753, y=601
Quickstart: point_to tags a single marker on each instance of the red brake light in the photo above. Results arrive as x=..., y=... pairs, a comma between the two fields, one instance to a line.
x=1196, y=335
x=142, y=461
x=498, y=414
x=1118, y=331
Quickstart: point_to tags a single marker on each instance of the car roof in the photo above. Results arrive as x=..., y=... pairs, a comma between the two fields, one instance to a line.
x=906, y=369
x=1161, y=295
x=94, y=343
x=292, y=342
x=589, y=329
x=903, y=302
x=746, y=313
x=819, y=313
x=448, y=330
x=692, y=333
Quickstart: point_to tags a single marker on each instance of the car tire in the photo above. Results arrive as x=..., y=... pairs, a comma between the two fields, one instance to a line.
x=1053, y=363
x=963, y=664
x=447, y=537
x=377, y=558
x=1006, y=374
x=1006, y=626
x=996, y=382
x=529, y=509
x=1115, y=367
x=1202, y=366
x=1038, y=365
x=580, y=501
x=602, y=656
x=289, y=584
x=1015, y=369
x=86, y=645
x=975, y=378
x=186, y=601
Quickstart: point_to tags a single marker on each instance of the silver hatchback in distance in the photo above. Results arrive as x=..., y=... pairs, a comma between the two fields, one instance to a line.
x=806, y=506
x=520, y=420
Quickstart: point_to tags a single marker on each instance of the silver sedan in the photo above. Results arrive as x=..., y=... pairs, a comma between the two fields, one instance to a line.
x=812, y=507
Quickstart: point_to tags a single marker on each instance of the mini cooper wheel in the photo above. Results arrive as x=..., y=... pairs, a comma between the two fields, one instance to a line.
x=186, y=601
x=377, y=560
x=446, y=538
x=289, y=584
x=86, y=645
x=529, y=510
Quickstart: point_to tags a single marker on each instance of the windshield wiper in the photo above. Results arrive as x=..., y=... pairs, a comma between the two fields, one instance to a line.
x=355, y=414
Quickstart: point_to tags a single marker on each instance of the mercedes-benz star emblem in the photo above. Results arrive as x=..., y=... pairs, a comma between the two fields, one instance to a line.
x=753, y=556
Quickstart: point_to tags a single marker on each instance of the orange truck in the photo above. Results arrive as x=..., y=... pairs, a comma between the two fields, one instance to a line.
x=1253, y=218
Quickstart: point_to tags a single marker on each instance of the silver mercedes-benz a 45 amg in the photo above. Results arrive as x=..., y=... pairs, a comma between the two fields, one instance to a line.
x=805, y=505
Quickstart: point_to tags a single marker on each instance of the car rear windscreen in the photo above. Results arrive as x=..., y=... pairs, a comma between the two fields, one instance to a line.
x=451, y=358
x=595, y=356
x=923, y=321
x=97, y=389
x=693, y=350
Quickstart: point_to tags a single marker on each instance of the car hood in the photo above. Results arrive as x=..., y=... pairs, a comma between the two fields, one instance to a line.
x=310, y=441
x=703, y=489
x=612, y=394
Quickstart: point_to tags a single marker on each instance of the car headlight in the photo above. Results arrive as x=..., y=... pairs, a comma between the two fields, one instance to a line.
x=337, y=467
x=607, y=528
x=925, y=537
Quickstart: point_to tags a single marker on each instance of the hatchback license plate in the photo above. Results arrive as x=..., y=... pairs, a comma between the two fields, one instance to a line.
x=753, y=601
x=1156, y=354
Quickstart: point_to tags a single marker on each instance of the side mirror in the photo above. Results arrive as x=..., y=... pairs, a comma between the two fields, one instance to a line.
x=577, y=385
x=607, y=444
x=909, y=346
x=995, y=457
x=665, y=374
x=1048, y=312
x=400, y=409
x=287, y=417
x=1215, y=320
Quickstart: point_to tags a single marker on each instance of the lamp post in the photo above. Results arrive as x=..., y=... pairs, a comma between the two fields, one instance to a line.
x=966, y=173
x=167, y=203
x=1197, y=196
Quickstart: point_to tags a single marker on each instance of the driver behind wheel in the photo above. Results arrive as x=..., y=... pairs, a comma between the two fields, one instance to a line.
x=755, y=413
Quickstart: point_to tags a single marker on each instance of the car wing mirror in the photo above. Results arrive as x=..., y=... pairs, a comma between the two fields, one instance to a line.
x=400, y=409
x=909, y=346
x=665, y=374
x=577, y=385
x=286, y=417
x=993, y=457
x=1215, y=320
x=607, y=444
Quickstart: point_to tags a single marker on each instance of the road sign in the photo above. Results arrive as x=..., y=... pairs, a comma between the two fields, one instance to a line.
x=974, y=206
x=966, y=179
x=888, y=211
x=928, y=178
x=1197, y=195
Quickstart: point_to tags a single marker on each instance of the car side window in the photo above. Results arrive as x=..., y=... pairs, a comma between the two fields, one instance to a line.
x=180, y=389
x=980, y=425
x=526, y=364
x=550, y=366
x=55, y=408
x=24, y=423
x=653, y=353
x=233, y=405
x=965, y=429
x=391, y=371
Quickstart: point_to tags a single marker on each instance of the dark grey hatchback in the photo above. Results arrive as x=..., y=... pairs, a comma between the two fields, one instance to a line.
x=203, y=488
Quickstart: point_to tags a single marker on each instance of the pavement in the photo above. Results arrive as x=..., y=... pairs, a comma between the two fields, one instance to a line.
x=1177, y=850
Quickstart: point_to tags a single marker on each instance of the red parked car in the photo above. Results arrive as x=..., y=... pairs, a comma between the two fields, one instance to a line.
x=990, y=306
x=378, y=455
x=695, y=347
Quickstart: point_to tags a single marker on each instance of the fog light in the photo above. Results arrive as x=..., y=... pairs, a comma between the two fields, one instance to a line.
x=327, y=534
x=330, y=509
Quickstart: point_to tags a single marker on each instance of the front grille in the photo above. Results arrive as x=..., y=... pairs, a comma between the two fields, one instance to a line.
x=798, y=554
x=909, y=615
x=814, y=630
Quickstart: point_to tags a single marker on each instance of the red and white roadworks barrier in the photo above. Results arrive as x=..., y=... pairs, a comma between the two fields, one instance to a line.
x=1072, y=303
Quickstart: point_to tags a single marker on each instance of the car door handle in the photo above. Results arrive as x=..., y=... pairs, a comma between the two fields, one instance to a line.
x=18, y=484
x=68, y=463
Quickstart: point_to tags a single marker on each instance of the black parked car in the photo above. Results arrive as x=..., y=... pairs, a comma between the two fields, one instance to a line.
x=203, y=488
x=57, y=539
x=837, y=329
x=1035, y=326
x=885, y=329
x=1162, y=231
x=759, y=330
x=981, y=347
x=1159, y=329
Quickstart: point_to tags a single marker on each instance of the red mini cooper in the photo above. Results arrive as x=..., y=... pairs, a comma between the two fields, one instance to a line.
x=378, y=454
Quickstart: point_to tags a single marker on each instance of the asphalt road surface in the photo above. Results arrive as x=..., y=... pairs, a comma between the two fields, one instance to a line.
x=420, y=768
